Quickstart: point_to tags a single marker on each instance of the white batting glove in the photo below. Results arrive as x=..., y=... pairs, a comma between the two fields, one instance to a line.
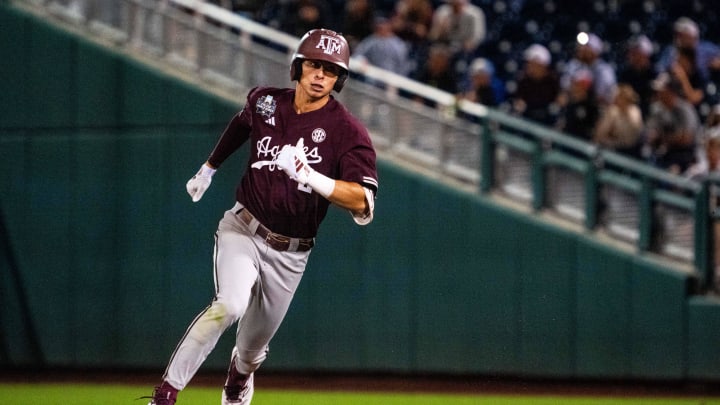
x=293, y=162
x=285, y=160
x=200, y=182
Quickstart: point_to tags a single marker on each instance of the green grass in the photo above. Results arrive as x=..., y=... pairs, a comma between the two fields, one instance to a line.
x=98, y=394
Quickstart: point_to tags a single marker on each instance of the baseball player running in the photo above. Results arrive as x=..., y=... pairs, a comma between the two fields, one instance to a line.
x=307, y=151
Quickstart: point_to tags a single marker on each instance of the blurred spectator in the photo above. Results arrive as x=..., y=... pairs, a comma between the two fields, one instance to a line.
x=412, y=19
x=712, y=92
x=437, y=70
x=384, y=49
x=358, y=20
x=709, y=160
x=588, y=51
x=684, y=70
x=458, y=24
x=483, y=85
x=411, y=22
x=686, y=35
x=303, y=15
x=638, y=70
x=710, y=126
x=581, y=112
x=713, y=118
x=671, y=127
x=620, y=126
x=272, y=13
x=538, y=87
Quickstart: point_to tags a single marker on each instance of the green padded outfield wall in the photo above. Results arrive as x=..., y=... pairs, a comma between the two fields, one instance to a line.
x=105, y=259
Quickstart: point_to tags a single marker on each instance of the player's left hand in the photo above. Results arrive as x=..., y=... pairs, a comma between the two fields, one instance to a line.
x=293, y=162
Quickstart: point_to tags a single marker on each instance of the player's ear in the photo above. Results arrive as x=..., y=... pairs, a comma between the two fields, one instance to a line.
x=296, y=69
x=341, y=79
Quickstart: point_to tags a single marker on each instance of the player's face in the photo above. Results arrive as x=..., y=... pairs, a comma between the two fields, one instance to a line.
x=318, y=77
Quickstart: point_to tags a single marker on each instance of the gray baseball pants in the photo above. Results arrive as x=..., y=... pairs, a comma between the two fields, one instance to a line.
x=254, y=286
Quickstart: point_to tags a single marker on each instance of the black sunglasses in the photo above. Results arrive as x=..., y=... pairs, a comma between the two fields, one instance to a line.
x=330, y=69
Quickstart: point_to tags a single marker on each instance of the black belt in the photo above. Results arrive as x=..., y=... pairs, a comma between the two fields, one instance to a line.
x=281, y=243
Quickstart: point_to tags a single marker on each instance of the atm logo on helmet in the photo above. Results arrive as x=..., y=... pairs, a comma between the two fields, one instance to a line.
x=329, y=44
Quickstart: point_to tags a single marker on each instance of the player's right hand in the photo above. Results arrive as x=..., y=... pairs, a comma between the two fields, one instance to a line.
x=293, y=162
x=200, y=182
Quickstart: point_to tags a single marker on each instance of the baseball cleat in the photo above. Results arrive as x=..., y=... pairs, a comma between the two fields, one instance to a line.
x=162, y=397
x=238, y=388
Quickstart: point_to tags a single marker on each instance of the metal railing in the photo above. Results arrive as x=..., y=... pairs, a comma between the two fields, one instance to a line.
x=488, y=151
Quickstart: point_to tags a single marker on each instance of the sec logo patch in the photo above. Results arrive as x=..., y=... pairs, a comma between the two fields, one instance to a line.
x=318, y=135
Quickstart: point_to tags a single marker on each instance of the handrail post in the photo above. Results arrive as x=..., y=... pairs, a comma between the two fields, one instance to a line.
x=538, y=177
x=591, y=196
x=487, y=160
x=646, y=206
x=704, y=238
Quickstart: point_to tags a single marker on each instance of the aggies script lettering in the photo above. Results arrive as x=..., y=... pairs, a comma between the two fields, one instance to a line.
x=264, y=151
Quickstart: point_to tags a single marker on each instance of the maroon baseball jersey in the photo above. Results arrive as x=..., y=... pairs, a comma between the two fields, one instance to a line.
x=336, y=145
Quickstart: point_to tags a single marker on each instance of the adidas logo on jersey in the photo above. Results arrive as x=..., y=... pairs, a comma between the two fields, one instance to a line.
x=271, y=121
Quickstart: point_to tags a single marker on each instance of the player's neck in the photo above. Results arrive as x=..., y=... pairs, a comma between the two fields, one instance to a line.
x=304, y=103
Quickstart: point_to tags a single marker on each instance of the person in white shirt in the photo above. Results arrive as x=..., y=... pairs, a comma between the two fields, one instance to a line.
x=459, y=24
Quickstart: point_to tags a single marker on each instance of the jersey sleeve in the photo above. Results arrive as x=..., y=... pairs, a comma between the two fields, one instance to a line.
x=359, y=165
